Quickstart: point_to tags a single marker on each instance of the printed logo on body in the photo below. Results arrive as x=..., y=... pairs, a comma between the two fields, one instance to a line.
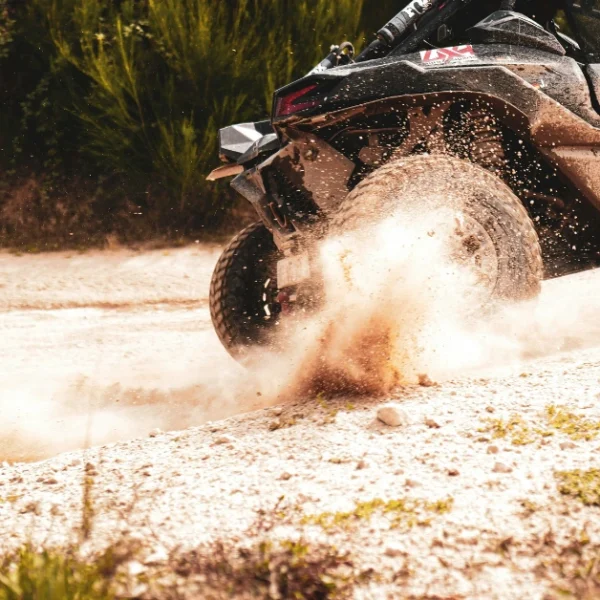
x=443, y=56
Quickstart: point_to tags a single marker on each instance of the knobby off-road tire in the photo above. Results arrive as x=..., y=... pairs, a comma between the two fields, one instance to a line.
x=243, y=283
x=411, y=182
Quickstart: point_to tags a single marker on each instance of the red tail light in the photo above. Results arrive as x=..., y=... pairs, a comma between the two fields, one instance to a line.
x=288, y=105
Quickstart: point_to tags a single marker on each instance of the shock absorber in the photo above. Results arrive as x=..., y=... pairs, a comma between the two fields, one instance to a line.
x=390, y=35
x=400, y=24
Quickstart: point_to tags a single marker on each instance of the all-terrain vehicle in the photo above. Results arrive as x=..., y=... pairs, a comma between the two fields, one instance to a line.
x=485, y=103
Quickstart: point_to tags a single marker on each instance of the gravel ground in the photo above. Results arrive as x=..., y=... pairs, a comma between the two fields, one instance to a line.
x=505, y=531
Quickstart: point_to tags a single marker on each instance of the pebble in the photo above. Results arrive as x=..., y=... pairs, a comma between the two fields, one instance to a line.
x=567, y=446
x=155, y=432
x=31, y=507
x=362, y=464
x=493, y=450
x=453, y=472
x=392, y=415
x=432, y=424
x=502, y=468
x=285, y=476
x=225, y=439
x=394, y=551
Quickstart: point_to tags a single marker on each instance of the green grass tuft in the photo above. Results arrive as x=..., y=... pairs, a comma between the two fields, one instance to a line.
x=54, y=575
x=403, y=513
x=515, y=428
x=583, y=485
x=558, y=419
x=575, y=426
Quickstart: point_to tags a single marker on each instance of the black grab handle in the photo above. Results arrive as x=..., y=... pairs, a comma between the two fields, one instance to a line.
x=375, y=49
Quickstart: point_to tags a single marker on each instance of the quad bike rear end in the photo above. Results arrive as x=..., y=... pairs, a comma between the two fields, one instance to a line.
x=490, y=110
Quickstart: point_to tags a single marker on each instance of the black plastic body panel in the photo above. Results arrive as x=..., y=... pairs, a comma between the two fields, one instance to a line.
x=516, y=75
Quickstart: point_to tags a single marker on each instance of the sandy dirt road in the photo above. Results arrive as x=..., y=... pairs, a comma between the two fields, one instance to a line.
x=106, y=347
x=103, y=347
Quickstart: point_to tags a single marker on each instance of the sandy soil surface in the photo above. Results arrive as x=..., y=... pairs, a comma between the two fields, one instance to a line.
x=101, y=349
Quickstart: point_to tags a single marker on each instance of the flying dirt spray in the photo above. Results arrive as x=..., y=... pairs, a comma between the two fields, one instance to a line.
x=394, y=309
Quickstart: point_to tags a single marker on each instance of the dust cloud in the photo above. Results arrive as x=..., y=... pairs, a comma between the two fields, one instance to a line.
x=395, y=307
x=398, y=308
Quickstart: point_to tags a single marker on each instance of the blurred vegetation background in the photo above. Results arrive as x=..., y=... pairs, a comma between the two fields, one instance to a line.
x=109, y=109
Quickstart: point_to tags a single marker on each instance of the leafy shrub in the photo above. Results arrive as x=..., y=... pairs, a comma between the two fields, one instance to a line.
x=135, y=90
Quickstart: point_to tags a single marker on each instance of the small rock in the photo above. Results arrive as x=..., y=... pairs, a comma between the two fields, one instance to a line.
x=502, y=468
x=51, y=481
x=432, y=424
x=493, y=450
x=567, y=446
x=75, y=462
x=31, y=507
x=392, y=415
x=411, y=483
x=490, y=409
x=362, y=464
x=453, y=472
x=277, y=411
x=155, y=432
x=285, y=476
x=90, y=467
x=225, y=439
x=394, y=551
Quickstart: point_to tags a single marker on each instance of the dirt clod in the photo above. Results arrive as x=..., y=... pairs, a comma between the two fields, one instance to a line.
x=502, y=468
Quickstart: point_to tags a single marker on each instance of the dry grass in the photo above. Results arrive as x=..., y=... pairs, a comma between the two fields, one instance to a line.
x=268, y=570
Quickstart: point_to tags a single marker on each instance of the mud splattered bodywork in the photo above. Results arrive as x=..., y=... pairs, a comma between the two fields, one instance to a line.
x=338, y=125
x=513, y=96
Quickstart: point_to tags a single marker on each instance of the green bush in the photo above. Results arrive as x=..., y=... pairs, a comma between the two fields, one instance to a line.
x=119, y=103
x=50, y=575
